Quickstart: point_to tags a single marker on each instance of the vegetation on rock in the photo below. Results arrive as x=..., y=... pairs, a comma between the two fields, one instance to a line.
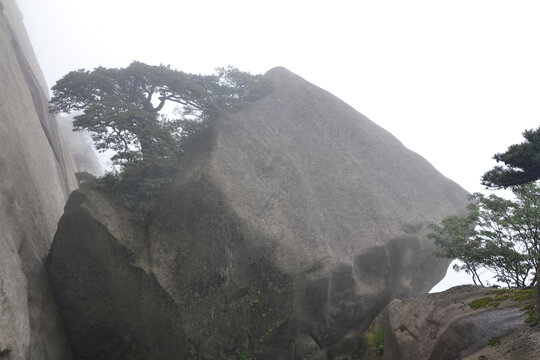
x=502, y=235
x=495, y=341
x=246, y=355
x=125, y=109
x=498, y=296
x=128, y=110
x=521, y=166
x=375, y=341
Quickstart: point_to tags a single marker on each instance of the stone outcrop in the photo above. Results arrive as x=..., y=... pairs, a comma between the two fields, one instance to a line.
x=36, y=176
x=290, y=226
x=444, y=326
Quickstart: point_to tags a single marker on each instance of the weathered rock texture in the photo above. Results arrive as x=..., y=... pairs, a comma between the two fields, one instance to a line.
x=444, y=326
x=290, y=226
x=36, y=176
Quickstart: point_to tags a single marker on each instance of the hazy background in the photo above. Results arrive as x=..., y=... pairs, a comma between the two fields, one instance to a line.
x=455, y=81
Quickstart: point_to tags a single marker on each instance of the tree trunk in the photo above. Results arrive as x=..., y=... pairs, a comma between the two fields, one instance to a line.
x=148, y=152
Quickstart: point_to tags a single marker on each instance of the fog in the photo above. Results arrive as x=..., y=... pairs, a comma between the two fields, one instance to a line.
x=454, y=81
x=80, y=146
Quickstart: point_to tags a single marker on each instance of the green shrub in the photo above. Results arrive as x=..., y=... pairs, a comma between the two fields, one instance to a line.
x=84, y=177
x=137, y=188
x=375, y=341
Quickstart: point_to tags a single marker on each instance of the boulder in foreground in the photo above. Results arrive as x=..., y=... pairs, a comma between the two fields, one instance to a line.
x=465, y=322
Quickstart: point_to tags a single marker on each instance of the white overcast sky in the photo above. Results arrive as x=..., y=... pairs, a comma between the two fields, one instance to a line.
x=456, y=81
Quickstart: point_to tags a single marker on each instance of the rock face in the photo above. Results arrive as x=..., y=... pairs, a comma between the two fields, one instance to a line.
x=444, y=326
x=290, y=226
x=36, y=176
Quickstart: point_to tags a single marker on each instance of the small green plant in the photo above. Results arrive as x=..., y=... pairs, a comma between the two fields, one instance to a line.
x=524, y=294
x=533, y=319
x=484, y=302
x=495, y=341
x=246, y=355
x=375, y=341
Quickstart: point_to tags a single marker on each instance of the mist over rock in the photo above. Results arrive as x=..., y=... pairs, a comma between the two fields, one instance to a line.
x=36, y=177
x=289, y=227
x=79, y=147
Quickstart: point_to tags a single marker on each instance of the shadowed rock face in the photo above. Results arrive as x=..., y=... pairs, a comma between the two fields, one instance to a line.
x=291, y=225
x=36, y=177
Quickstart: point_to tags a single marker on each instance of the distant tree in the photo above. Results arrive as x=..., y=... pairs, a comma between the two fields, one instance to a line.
x=455, y=238
x=521, y=163
x=83, y=177
x=124, y=109
x=498, y=234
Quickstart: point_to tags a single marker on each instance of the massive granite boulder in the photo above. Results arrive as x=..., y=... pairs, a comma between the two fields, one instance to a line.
x=465, y=322
x=36, y=177
x=289, y=227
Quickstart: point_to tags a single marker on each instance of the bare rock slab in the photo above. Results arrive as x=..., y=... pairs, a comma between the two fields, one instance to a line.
x=36, y=177
x=290, y=226
x=444, y=326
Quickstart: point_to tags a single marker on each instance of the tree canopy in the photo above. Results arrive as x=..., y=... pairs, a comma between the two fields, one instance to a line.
x=124, y=109
x=521, y=163
x=147, y=114
x=498, y=234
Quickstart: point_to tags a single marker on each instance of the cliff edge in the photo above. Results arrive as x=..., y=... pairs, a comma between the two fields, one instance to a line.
x=36, y=177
